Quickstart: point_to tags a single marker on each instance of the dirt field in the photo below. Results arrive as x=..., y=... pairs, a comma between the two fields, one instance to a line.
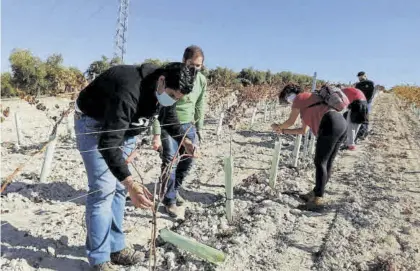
x=371, y=222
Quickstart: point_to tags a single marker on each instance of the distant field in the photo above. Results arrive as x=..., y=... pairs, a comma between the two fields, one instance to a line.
x=410, y=93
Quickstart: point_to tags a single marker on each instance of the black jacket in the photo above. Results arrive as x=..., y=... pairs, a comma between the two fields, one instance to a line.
x=123, y=97
x=170, y=123
x=368, y=88
x=359, y=112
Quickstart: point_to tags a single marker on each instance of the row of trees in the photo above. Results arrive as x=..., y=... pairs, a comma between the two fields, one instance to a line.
x=409, y=93
x=34, y=76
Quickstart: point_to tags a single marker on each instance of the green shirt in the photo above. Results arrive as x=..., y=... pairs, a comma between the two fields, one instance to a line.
x=191, y=107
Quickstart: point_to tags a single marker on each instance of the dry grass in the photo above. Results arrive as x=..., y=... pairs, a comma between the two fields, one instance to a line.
x=409, y=93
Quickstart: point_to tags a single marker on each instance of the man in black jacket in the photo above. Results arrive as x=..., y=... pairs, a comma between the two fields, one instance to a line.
x=110, y=111
x=368, y=88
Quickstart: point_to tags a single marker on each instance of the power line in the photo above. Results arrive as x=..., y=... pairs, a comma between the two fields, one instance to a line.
x=78, y=37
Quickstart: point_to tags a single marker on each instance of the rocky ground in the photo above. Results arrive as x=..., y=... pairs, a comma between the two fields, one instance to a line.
x=371, y=221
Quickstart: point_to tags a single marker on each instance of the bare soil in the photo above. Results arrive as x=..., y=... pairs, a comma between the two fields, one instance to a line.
x=371, y=221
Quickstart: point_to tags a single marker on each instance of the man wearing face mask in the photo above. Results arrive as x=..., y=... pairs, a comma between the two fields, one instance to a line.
x=368, y=89
x=190, y=112
x=109, y=112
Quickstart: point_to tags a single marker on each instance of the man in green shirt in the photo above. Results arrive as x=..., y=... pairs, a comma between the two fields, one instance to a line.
x=190, y=113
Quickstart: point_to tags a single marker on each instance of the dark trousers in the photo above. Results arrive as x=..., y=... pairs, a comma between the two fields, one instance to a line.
x=364, y=128
x=332, y=132
x=180, y=168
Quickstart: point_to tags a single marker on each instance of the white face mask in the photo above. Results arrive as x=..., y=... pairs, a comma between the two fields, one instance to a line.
x=291, y=98
x=164, y=99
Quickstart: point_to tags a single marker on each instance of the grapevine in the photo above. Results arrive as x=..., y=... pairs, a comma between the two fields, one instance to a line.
x=408, y=93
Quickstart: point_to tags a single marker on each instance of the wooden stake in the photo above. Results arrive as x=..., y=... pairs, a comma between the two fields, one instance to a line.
x=70, y=127
x=219, y=127
x=312, y=144
x=312, y=141
x=296, y=150
x=10, y=178
x=254, y=113
x=230, y=144
x=416, y=110
x=49, y=154
x=18, y=130
x=265, y=111
x=306, y=145
x=275, y=109
x=275, y=164
x=229, y=187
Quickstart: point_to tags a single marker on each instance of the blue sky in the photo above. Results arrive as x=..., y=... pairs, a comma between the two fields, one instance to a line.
x=336, y=38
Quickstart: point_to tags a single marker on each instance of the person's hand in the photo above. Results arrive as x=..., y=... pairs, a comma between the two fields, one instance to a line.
x=200, y=138
x=139, y=195
x=190, y=148
x=156, y=142
x=131, y=157
x=276, y=128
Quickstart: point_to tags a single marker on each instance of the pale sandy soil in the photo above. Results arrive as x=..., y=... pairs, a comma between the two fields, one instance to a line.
x=372, y=220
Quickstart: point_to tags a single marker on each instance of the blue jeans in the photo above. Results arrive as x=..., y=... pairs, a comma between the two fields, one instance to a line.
x=370, y=106
x=179, y=170
x=364, y=128
x=106, y=200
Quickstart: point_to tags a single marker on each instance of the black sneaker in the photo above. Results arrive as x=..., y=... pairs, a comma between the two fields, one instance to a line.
x=308, y=196
x=171, y=210
x=317, y=204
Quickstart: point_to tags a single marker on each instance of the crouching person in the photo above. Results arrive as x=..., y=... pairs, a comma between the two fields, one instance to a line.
x=327, y=124
x=356, y=115
x=109, y=112
x=368, y=89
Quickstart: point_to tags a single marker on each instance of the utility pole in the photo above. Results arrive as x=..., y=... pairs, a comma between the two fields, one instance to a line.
x=121, y=35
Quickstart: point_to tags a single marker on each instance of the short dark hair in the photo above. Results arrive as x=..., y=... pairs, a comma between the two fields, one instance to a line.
x=360, y=74
x=179, y=77
x=289, y=89
x=192, y=52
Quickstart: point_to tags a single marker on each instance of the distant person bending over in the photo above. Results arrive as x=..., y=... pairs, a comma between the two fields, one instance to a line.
x=190, y=112
x=326, y=123
x=356, y=115
x=109, y=112
x=368, y=89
